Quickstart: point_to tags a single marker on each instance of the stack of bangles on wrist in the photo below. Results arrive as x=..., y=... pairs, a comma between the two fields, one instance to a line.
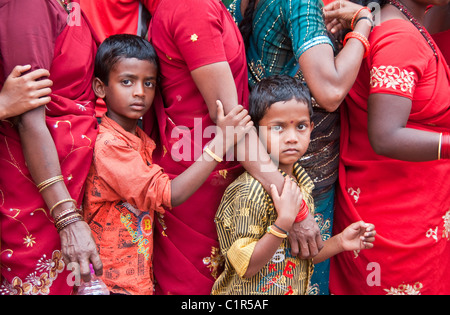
x=444, y=146
x=67, y=217
x=363, y=39
x=302, y=213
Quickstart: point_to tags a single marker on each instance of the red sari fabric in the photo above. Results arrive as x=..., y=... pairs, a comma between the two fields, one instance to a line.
x=409, y=203
x=31, y=261
x=186, y=36
x=442, y=39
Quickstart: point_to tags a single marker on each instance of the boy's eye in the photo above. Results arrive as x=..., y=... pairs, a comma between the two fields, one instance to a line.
x=126, y=82
x=149, y=84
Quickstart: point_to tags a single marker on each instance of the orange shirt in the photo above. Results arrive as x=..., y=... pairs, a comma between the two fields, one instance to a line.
x=123, y=190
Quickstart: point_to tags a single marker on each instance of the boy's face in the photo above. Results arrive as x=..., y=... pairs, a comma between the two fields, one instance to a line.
x=130, y=91
x=286, y=130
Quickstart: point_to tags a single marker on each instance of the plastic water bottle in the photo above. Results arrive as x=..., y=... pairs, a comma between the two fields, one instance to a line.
x=94, y=287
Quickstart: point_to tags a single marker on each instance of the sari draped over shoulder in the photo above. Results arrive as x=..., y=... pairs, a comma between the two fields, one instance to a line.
x=408, y=202
x=188, y=34
x=31, y=260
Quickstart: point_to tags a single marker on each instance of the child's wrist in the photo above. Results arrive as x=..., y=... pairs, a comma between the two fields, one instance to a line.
x=284, y=223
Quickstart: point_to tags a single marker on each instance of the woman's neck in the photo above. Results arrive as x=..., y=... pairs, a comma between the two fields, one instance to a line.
x=416, y=9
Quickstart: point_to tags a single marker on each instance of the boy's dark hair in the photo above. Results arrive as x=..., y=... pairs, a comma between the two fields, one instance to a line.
x=121, y=46
x=273, y=89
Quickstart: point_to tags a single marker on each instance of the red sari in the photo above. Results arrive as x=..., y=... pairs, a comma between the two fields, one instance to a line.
x=409, y=203
x=186, y=36
x=31, y=261
x=442, y=39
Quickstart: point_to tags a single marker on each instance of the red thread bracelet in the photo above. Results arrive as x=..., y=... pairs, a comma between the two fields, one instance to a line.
x=303, y=213
x=361, y=38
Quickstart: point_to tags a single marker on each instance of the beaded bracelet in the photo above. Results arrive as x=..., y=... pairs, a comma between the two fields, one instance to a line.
x=361, y=38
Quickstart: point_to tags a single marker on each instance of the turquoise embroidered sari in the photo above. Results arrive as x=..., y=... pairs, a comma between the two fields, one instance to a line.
x=282, y=31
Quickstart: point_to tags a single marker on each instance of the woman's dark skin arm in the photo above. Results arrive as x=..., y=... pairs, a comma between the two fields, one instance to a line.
x=188, y=182
x=42, y=161
x=389, y=136
x=329, y=78
x=216, y=82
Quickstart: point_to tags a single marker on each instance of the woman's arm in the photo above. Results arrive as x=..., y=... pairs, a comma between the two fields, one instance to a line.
x=389, y=136
x=42, y=161
x=188, y=182
x=329, y=78
x=22, y=93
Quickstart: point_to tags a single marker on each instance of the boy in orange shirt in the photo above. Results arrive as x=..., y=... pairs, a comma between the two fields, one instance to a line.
x=124, y=188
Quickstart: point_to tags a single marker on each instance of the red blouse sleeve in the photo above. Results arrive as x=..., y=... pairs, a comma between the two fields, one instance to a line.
x=198, y=33
x=399, y=58
x=28, y=32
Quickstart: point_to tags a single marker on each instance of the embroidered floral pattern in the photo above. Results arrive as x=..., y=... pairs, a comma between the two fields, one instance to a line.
x=39, y=281
x=406, y=289
x=214, y=262
x=392, y=78
x=433, y=233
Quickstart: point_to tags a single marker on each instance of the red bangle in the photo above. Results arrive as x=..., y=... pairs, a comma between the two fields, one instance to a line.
x=356, y=15
x=361, y=38
x=303, y=213
x=445, y=146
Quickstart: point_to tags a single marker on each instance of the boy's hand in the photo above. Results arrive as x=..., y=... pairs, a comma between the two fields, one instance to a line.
x=287, y=204
x=22, y=93
x=358, y=236
x=234, y=125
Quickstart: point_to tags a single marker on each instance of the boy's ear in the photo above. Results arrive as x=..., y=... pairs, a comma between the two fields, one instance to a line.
x=99, y=88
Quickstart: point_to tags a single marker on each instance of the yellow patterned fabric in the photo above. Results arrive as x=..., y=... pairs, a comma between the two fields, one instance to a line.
x=242, y=219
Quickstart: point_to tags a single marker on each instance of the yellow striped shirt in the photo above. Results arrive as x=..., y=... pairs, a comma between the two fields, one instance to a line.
x=245, y=212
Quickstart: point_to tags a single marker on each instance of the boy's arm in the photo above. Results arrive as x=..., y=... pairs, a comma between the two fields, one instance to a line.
x=287, y=206
x=188, y=182
x=356, y=236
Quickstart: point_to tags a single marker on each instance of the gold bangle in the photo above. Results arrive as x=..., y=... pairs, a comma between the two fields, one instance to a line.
x=61, y=202
x=55, y=180
x=270, y=230
x=45, y=182
x=440, y=147
x=213, y=155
